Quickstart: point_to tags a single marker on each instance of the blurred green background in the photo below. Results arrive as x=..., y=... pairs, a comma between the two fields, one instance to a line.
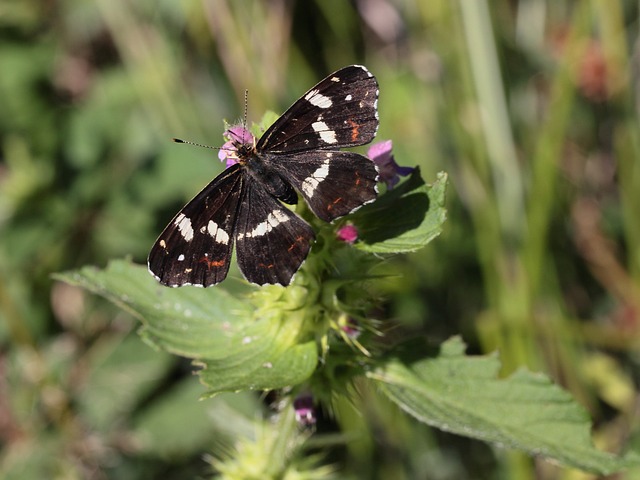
x=530, y=105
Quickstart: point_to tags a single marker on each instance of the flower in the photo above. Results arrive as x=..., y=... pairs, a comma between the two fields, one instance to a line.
x=350, y=327
x=380, y=154
x=304, y=409
x=348, y=234
x=236, y=136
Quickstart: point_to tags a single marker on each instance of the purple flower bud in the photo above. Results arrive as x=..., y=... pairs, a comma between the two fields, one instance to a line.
x=390, y=171
x=236, y=136
x=348, y=234
x=304, y=409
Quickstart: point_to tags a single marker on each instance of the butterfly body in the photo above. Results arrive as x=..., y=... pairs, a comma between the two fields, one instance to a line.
x=260, y=169
x=298, y=153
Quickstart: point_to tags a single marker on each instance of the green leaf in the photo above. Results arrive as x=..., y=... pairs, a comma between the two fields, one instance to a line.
x=237, y=351
x=525, y=411
x=120, y=374
x=404, y=219
x=173, y=425
x=270, y=366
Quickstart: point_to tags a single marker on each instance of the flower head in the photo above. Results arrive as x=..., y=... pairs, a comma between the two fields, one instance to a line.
x=390, y=171
x=236, y=136
x=348, y=234
x=351, y=328
x=304, y=409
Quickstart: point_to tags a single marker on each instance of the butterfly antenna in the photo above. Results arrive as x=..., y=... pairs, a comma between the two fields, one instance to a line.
x=179, y=140
x=246, y=103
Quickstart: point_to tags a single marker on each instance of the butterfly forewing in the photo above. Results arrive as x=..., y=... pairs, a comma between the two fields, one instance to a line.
x=195, y=248
x=272, y=241
x=340, y=111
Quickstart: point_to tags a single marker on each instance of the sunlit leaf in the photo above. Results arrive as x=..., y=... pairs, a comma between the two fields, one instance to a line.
x=237, y=351
x=404, y=219
x=463, y=395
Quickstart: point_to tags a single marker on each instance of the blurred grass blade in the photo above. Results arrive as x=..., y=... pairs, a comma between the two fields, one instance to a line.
x=496, y=124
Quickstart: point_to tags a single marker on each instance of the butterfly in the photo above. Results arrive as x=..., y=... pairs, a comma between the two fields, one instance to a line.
x=299, y=153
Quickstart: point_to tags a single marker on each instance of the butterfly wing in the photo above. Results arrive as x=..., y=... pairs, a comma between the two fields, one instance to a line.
x=340, y=111
x=272, y=241
x=195, y=248
x=334, y=184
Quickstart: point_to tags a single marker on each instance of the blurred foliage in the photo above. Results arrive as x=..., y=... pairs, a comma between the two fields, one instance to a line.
x=530, y=106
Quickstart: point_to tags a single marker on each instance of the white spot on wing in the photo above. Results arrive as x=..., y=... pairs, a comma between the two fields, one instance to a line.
x=311, y=183
x=274, y=219
x=219, y=235
x=335, y=79
x=348, y=98
x=184, y=225
x=181, y=257
x=319, y=126
x=328, y=136
x=317, y=99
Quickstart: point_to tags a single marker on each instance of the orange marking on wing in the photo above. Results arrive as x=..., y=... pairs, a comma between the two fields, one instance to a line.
x=336, y=201
x=355, y=130
x=212, y=263
x=293, y=245
x=262, y=265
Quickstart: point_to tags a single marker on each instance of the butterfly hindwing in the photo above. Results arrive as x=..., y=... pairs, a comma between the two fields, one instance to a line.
x=195, y=248
x=333, y=183
x=340, y=111
x=272, y=241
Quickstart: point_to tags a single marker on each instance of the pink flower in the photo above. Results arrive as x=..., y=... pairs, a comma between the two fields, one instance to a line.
x=390, y=171
x=348, y=234
x=351, y=328
x=304, y=410
x=236, y=137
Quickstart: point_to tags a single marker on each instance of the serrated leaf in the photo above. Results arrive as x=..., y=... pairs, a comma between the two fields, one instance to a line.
x=525, y=411
x=404, y=219
x=237, y=351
